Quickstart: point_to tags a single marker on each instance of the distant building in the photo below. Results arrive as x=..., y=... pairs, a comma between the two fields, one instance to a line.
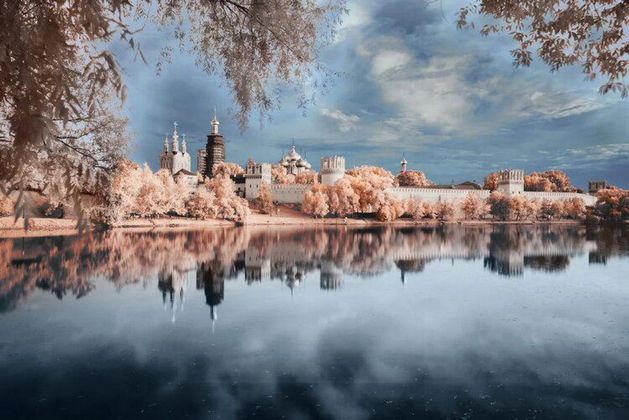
x=294, y=163
x=511, y=181
x=255, y=175
x=214, y=149
x=175, y=160
x=403, y=164
x=594, y=186
x=332, y=168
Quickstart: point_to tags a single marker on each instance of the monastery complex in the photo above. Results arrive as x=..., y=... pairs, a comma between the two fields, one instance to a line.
x=332, y=168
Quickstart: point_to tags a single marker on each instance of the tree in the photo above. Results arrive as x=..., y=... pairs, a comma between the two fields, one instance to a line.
x=216, y=200
x=444, y=210
x=518, y=208
x=499, y=205
x=228, y=205
x=491, y=181
x=228, y=169
x=173, y=194
x=574, y=208
x=315, y=203
x=307, y=177
x=55, y=70
x=415, y=209
x=412, y=179
x=473, y=207
x=612, y=205
x=343, y=199
x=280, y=176
x=428, y=210
x=550, y=210
x=391, y=210
x=202, y=204
x=548, y=181
x=589, y=33
x=264, y=201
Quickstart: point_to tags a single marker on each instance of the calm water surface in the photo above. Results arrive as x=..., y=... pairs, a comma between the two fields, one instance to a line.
x=457, y=322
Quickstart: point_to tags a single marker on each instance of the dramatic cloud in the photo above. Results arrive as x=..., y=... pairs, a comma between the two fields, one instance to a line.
x=345, y=122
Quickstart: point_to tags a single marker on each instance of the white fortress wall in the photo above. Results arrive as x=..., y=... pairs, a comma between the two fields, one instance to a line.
x=434, y=195
x=588, y=199
x=289, y=193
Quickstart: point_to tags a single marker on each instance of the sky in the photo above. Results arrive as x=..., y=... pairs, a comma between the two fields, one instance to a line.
x=410, y=84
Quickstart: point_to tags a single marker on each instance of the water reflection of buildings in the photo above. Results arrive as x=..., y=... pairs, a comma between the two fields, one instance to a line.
x=212, y=280
x=69, y=265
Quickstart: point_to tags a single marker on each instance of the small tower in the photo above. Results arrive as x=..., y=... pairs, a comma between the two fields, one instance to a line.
x=511, y=181
x=332, y=169
x=184, y=145
x=403, y=163
x=175, y=139
x=594, y=186
x=166, y=147
x=255, y=175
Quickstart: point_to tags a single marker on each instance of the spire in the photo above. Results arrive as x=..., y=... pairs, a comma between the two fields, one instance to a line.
x=175, y=139
x=166, y=148
x=184, y=145
x=215, y=123
x=403, y=163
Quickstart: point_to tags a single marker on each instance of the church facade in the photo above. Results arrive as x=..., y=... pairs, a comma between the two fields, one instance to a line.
x=175, y=159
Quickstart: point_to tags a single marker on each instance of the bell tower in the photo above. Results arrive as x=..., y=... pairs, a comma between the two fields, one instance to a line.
x=214, y=148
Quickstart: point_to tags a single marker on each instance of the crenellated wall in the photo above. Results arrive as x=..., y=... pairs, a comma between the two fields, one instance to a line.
x=434, y=195
x=588, y=199
x=289, y=193
x=444, y=194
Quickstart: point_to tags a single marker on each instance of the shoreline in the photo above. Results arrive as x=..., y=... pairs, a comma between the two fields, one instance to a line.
x=11, y=228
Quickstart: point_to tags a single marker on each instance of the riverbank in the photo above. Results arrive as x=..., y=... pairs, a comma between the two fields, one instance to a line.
x=11, y=228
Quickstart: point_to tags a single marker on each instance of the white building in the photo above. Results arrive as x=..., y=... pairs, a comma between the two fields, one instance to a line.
x=176, y=159
x=332, y=169
x=511, y=182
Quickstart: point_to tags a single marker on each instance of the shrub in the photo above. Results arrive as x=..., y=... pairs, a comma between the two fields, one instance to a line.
x=428, y=210
x=499, y=206
x=612, y=205
x=444, y=210
x=264, y=201
x=414, y=209
x=550, y=210
x=574, y=208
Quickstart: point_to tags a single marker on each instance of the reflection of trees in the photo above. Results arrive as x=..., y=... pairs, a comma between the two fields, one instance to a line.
x=610, y=240
x=67, y=265
x=547, y=263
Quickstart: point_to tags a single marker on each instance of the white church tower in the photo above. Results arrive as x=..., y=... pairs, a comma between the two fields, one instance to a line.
x=175, y=160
